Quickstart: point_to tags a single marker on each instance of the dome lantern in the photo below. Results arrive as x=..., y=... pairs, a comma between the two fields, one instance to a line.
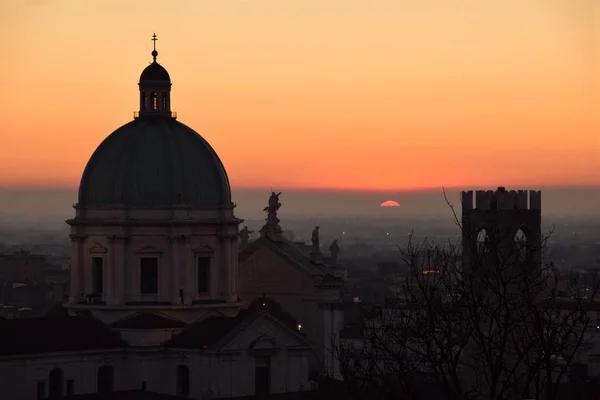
x=155, y=89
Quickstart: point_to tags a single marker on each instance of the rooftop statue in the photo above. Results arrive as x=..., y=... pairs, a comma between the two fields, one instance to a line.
x=271, y=228
x=274, y=203
x=315, y=238
x=244, y=236
x=334, y=249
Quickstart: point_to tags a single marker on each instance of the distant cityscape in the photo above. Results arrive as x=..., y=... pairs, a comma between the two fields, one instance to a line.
x=39, y=257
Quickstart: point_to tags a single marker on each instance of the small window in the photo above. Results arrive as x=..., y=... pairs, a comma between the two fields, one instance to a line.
x=55, y=384
x=203, y=271
x=154, y=101
x=41, y=390
x=70, y=387
x=144, y=386
x=149, y=275
x=164, y=101
x=97, y=274
x=183, y=380
x=105, y=379
x=262, y=375
x=143, y=102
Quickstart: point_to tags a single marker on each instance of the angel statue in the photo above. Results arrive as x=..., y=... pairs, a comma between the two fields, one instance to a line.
x=274, y=203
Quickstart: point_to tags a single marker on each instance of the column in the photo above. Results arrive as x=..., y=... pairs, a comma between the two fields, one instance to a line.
x=233, y=252
x=225, y=263
x=328, y=342
x=338, y=324
x=109, y=270
x=328, y=338
x=165, y=276
x=175, y=266
x=323, y=336
x=76, y=284
x=187, y=258
x=119, y=271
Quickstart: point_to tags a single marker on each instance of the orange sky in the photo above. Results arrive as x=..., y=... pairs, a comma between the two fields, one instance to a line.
x=375, y=94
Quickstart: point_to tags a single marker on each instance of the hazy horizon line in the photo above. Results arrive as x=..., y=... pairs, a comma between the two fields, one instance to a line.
x=353, y=189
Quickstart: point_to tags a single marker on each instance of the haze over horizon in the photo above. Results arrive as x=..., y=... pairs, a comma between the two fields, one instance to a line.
x=56, y=204
x=382, y=95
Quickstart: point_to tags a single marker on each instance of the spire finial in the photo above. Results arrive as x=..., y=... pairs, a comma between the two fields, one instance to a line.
x=154, y=52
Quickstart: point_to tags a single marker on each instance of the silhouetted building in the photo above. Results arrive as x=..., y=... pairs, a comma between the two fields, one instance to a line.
x=501, y=220
x=23, y=266
x=154, y=302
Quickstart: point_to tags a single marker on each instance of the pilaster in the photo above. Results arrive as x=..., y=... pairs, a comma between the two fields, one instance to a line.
x=330, y=330
x=110, y=270
x=234, y=266
x=187, y=261
x=116, y=273
x=226, y=273
x=77, y=273
x=178, y=268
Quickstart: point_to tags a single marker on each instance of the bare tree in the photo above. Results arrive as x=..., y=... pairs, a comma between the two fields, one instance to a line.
x=495, y=323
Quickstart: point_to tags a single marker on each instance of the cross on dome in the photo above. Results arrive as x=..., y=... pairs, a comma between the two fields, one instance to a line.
x=154, y=52
x=155, y=88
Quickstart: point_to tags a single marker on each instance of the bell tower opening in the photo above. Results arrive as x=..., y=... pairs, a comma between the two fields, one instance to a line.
x=154, y=101
x=155, y=90
x=142, y=101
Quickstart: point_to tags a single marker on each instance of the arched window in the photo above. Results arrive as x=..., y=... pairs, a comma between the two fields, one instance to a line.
x=482, y=241
x=105, y=379
x=154, y=101
x=521, y=245
x=55, y=383
x=143, y=105
x=183, y=380
x=164, y=101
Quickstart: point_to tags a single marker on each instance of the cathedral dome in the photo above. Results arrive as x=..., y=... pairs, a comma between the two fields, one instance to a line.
x=154, y=161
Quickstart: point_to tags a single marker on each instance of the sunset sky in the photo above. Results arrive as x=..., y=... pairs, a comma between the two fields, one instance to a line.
x=377, y=94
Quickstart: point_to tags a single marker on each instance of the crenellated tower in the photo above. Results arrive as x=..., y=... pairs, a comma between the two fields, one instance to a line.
x=507, y=222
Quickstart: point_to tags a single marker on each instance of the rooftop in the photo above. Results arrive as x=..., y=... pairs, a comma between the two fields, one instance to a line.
x=55, y=333
x=291, y=252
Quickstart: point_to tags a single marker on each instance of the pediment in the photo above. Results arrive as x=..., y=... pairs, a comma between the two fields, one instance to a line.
x=98, y=248
x=263, y=343
x=266, y=265
x=148, y=249
x=265, y=333
x=203, y=249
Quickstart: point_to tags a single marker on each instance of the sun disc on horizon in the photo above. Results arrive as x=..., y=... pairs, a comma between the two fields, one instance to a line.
x=390, y=203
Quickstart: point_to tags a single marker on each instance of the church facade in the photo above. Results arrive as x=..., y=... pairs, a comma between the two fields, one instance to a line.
x=304, y=284
x=157, y=300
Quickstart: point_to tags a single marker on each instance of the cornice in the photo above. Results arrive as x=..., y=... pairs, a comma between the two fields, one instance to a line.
x=77, y=237
x=171, y=207
x=117, y=238
x=152, y=222
x=179, y=238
